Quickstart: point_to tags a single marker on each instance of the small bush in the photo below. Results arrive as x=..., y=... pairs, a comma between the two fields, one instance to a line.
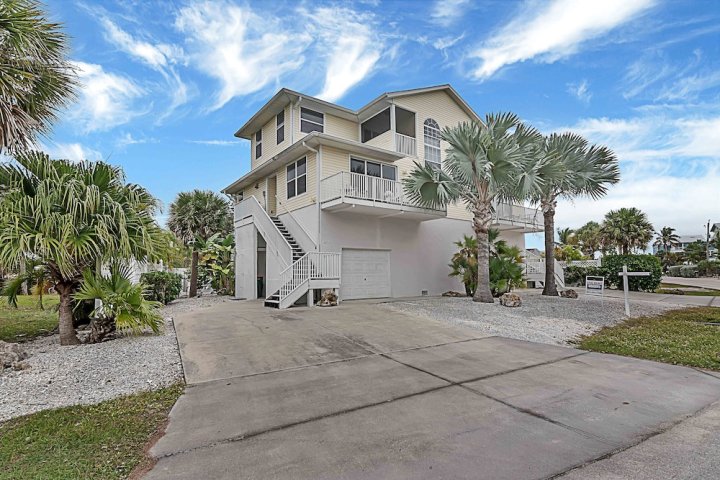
x=674, y=270
x=162, y=286
x=689, y=271
x=575, y=275
x=612, y=264
x=709, y=268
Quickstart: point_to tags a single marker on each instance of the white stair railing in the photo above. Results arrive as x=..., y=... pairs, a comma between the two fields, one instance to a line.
x=311, y=266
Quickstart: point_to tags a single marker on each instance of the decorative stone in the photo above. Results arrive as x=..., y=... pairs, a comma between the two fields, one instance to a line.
x=510, y=300
x=328, y=299
x=569, y=293
x=11, y=354
x=451, y=293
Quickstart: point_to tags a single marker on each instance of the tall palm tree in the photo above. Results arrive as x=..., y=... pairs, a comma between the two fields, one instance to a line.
x=36, y=79
x=567, y=236
x=569, y=168
x=666, y=238
x=625, y=229
x=481, y=168
x=72, y=217
x=589, y=238
x=195, y=217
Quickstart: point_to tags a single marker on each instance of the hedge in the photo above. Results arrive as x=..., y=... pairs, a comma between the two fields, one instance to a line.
x=162, y=286
x=709, y=268
x=575, y=275
x=612, y=264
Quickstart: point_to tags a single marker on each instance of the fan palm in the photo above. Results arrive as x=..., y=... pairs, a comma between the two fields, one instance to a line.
x=36, y=80
x=35, y=274
x=570, y=168
x=666, y=238
x=481, y=168
x=195, y=217
x=72, y=217
x=567, y=236
x=625, y=229
x=589, y=238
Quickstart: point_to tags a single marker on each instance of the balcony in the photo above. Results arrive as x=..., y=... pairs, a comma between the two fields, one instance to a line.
x=357, y=193
x=518, y=217
x=405, y=145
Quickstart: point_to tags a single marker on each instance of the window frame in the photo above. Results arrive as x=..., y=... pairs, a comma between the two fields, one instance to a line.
x=313, y=122
x=258, y=144
x=434, y=134
x=383, y=165
x=280, y=128
x=294, y=180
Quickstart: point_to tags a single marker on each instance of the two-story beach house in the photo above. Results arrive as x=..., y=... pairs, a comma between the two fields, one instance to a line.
x=323, y=204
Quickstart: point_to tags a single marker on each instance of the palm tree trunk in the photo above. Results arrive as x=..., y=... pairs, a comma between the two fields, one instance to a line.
x=481, y=224
x=67, y=330
x=194, y=274
x=550, y=288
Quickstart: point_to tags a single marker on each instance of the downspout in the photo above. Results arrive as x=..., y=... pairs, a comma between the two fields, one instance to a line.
x=318, y=170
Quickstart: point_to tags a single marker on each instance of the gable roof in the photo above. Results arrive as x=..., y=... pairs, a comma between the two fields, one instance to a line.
x=285, y=96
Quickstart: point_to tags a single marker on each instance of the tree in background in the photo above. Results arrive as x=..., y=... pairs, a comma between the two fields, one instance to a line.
x=195, y=217
x=481, y=168
x=36, y=275
x=72, y=217
x=666, y=238
x=626, y=229
x=568, y=167
x=36, y=79
x=217, y=264
x=567, y=236
x=696, y=251
x=590, y=238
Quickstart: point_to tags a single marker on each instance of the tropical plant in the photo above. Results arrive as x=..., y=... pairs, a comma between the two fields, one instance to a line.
x=123, y=305
x=696, y=251
x=195, y=217
x=464, y=263
x=72, y=216
x=482, y=167
x=35, y=274
x=613, y=265
x=217, y=265
x=626, y=229
x=36, y=79
x=163, y=287
x=506, y=271
x=670, y=259
x=568, y=167
x=568, y=253
x=666, y=238
x=589, y=238
x=567, y=236
x=709, y=268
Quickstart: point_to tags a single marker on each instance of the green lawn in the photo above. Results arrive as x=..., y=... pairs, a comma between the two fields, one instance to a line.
x=681, y=337
x=104, y=441
x=27, y=321
x=693, y=291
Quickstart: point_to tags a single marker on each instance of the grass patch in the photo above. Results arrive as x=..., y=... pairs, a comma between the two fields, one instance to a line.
x=680, y=337
x=104, y=441
x=27, y=321
x=668, y=288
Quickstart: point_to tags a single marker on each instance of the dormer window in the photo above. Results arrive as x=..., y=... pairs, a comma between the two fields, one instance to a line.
x=280, y=127
x=311, y=121
x=258, y=144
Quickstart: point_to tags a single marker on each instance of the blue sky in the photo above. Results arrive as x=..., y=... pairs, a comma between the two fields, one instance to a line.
x=166, y=84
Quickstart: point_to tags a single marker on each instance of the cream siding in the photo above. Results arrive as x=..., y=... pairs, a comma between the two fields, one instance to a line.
x=302, y=200
x=270, y=147
x=256, y=192
x=384, y=140
x=333, y=125
x=334, y=161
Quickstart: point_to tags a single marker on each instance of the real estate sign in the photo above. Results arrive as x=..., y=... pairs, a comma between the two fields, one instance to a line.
x=594, y=285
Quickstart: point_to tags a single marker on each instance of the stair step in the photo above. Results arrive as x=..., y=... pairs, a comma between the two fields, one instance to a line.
x=272, y=303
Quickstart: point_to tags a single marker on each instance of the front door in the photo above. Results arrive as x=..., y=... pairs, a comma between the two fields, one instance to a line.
x=271, y=205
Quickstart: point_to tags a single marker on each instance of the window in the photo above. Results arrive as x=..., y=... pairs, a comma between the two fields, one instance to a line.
x=311, y=121
x=432, y=144
x=280, y=127
x=258, y=144
x=297, y=178
x=375, y=126
x=373, y=169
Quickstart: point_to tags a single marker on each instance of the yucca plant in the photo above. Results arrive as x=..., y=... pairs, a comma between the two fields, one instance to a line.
x=123, y=305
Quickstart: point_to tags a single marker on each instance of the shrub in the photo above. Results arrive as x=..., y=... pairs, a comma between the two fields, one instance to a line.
x=674, y=270
x=162, y=287
x=689, y=271
x=709, y=268
x=612, y=264
x=575, y=275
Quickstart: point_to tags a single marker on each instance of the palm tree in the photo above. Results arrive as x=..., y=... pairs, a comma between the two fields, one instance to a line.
x=589, y=238
x=625, y=229
x=666, y=238
x=481, y=168
x=569, y=168
x=567, y=236
x=34, y=274
x=195, y=217
x=36, y=79
x=72, y=217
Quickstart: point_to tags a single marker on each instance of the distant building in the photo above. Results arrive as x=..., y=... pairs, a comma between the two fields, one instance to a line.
x=685, y=240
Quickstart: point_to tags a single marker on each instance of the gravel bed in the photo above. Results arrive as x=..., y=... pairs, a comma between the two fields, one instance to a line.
x=86, y=374
x=556, y=321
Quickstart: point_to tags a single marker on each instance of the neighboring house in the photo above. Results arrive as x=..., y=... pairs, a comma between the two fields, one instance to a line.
x=323, y=205
x=681, y=245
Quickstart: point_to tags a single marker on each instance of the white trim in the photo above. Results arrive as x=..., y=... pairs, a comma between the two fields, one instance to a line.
x=365, y=159
x=294, y=179
x=312, y=121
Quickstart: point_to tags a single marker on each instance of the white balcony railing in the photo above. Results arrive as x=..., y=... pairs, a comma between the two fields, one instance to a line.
x=518, y=215
x=364, y=187
x=405, y=144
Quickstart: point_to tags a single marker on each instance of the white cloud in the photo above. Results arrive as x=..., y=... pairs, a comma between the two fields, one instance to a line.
x=688, y=87
x=553, y=30
x=218, y=143
x=105, y=100
x=580, y=90
x=245, y=52
x=127, y=139
x=75, y=152
x=447, y=12
x=353, y=48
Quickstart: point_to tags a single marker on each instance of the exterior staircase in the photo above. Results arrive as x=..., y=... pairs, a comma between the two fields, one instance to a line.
x=535, y=271
x=297, y=252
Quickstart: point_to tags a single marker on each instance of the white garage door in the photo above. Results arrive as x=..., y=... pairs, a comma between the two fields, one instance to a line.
x=365, y=274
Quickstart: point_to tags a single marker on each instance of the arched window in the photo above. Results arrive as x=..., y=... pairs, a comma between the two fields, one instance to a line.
x=432, y=143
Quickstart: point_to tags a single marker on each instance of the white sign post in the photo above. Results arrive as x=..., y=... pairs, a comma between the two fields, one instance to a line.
x=625, y=274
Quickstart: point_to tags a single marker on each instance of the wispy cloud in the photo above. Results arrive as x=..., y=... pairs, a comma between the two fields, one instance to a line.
x=106, y=99
x=127, y=139
x=447, y=12
x=74, y=152
x=549, y=31
x=580, y=90
x=218, y=143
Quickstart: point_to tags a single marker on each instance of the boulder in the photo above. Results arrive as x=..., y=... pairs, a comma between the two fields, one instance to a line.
x=510, y=300
x=328, y=299
x=569, y=293
x=11, y=354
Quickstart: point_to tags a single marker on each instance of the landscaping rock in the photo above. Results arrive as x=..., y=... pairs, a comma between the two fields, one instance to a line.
x=510, y=300
x=328, y=299
x=11, y=354
x=451, y=293
x=569, y=293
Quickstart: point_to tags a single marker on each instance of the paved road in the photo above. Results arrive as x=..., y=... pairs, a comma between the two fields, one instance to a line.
x=359, y=392
x=704, y=282
x=679, y=300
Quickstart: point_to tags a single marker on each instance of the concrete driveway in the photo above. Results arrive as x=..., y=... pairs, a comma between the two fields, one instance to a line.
x=360, y=392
